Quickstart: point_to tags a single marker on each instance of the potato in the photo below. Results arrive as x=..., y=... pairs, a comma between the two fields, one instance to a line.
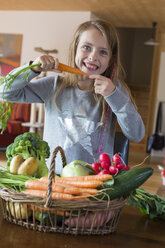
x=28, y=167
x=18, y=211
x=15, y=163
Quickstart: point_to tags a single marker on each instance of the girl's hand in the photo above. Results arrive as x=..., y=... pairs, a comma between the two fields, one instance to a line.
x=48, y=63
x=102, y=85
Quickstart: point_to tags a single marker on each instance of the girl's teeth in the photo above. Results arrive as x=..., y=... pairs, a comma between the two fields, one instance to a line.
x=91, y=67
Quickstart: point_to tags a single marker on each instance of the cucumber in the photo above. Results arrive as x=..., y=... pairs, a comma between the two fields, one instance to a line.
x=125, y=183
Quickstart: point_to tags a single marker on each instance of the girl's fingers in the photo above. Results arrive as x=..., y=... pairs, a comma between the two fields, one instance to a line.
x=48, y=63
x=55, y=63
x=97, y=77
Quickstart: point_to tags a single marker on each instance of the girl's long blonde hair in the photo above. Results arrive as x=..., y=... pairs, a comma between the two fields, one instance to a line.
x=111, y=35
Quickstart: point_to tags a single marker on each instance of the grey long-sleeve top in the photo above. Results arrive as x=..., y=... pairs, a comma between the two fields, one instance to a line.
x=76, y=125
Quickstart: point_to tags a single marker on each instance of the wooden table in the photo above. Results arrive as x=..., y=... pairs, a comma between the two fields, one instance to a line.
x=134, y=230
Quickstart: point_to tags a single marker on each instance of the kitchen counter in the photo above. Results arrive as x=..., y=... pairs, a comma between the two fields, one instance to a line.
x=134, y=230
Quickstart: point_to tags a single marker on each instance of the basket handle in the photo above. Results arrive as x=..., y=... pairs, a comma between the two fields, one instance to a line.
x=52, y=172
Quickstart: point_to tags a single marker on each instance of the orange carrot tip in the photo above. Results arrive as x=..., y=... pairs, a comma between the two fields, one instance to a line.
x=70, y=69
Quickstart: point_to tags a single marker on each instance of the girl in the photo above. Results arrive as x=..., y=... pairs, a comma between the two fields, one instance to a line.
x=81, y=112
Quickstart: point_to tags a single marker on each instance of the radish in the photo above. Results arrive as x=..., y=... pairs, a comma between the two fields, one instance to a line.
x=113, y=169
x=97, y=167
x=120, y=166
x=105, y=165
x=104, y=172
x=116, y=158
x=104, y=157
x=126, y=167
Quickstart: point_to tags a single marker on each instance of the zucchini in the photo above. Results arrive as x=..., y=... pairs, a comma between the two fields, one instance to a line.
x=125, y=183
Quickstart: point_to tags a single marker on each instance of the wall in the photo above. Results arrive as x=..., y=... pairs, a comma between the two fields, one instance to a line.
x=46, y=29
x=135, y=56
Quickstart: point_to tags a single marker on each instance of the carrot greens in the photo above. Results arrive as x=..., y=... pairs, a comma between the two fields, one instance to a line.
x=5, y=106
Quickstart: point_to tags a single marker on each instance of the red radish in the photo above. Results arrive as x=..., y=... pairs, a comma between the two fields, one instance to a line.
x=126, y=167
x=105, y=165
x=113, y=169
x=104, y=172
x=97, y=167
x=104, y=157
x=120, y=166
x=116, y=158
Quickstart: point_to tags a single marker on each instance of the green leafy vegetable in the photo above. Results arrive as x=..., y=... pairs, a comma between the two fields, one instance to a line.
x=5, y=106
x=12, y=181
x=151, y=204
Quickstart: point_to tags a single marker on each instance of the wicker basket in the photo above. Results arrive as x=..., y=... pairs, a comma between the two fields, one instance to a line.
x=82, y=217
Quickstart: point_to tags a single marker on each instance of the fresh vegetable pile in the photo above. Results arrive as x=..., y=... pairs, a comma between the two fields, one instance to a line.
x=106, y=166
x=27, y=154
x=95, y=187
x=27, y=173
x=77, y=188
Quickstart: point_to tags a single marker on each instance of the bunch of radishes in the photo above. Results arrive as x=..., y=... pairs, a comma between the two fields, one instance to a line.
x=108, y=166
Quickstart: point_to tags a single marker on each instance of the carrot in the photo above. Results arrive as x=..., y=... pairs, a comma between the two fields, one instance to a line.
x=81, y=184
x=77, y=191
x=43, y=194
x=70, y=69
x=60, y=188
x=32, y=184
x=85, y=184
x=104, y=177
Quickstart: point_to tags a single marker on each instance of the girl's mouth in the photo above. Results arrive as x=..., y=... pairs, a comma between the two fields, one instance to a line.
x=90, y=67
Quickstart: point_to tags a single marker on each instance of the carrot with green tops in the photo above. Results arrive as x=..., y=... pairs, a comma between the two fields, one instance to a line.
x=8, y=80
x=70, y=69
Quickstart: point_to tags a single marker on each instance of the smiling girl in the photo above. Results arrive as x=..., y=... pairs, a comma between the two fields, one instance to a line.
x=81, y=112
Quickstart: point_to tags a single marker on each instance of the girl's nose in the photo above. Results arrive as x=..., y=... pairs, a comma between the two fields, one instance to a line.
x=93, y=56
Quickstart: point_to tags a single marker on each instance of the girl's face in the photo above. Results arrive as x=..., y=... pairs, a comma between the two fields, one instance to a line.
x=93, y=54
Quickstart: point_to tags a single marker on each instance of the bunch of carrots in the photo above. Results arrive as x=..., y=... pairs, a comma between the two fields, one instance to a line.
x=67, y=188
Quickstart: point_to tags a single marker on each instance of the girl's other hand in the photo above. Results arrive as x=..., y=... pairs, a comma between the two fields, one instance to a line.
x=48, y=63
x=102, y=85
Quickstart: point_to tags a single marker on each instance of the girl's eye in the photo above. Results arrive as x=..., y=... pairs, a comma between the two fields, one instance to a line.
x=86, y=47
x=103, y=52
